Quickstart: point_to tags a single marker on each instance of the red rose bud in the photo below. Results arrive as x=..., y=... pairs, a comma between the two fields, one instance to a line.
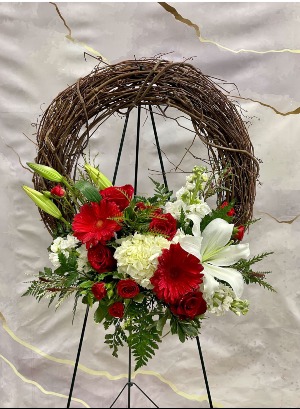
x=99, y=290
x=190, y=306
x=224, y=204
x=127, y=288
x=231, y=212
x=140, y=206
x=116, y=310
x=58, y=191
x=121, y=195
x=101, y=258
x=164, y=224
x=238, y=232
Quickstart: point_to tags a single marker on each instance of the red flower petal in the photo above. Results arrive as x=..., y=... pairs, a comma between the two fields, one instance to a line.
x=116, y=310
x=58, y=191
x=164, y=224
x=120, y=195
x=101, y=258
x=92, y=224
x=178, y=273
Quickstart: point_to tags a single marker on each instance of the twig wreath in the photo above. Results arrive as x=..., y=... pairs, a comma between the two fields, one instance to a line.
x=115, y=88
x=146, y=261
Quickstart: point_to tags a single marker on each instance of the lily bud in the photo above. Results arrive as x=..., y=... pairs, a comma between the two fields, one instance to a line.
x=100, y=180
x=46, y=193
x=46, y=172
x=43, y=202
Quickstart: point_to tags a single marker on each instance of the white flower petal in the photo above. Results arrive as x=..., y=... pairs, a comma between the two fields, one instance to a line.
x=230, y=255
x=196, y=219
x=191, y=245
x=210, y=285
x=215, y=236
x=230, y=275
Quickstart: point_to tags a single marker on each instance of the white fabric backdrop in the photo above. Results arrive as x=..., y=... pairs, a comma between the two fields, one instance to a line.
x=252, y=361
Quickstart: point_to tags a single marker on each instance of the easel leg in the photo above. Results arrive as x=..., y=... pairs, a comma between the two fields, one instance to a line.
x=78, y=356
x=204, y=372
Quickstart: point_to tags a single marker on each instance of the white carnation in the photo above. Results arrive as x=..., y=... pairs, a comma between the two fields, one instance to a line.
x=56, y=245
x=71, y=242
x=83, y=265
x=138, y=255
x=53, y=257
x=62, y=245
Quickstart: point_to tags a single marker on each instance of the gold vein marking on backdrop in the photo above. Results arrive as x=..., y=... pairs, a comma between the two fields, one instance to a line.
x=69, y=36
x=281, y=221
x=295, y=112
x=26, y=380
x=199, y=398
x=188, y=22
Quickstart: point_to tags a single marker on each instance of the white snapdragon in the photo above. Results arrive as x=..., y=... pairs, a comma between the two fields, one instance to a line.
x=201, y=209
x=174, y=208
x=188, y=197
x=223, y=300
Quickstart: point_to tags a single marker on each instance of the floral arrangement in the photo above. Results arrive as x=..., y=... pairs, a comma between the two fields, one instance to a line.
x=144, y=262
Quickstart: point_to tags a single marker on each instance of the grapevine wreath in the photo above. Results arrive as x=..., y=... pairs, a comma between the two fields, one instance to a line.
x=146, y=261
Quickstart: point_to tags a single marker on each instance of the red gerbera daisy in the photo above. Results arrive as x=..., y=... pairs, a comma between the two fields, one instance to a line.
x=178, y=273
x=93, y=224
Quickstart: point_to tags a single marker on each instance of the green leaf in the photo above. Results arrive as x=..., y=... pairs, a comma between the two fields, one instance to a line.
x=161, y=323
x=100, y=313
x=86, y=284
x=139, y=298
x=189, y=329
x=88, y=190
x=88, y=299
x=181, y=333
x=48, y=271
x=129, y=213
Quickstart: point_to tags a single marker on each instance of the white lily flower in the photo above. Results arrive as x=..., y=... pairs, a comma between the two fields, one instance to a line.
x=214, y=251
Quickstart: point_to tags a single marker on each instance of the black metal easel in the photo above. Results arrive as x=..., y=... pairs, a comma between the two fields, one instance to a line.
x=129, y=383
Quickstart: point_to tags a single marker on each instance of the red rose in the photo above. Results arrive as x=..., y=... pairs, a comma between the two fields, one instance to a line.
x=121, y=195
x=116, y=310
x=99, y=290
x=157, y=212
x=127, y=288
x=101, y=258
x=58, y=191
x=190, y=305
x=142, y=206
x=231, y=212
x=164, y=224
x=238, y=232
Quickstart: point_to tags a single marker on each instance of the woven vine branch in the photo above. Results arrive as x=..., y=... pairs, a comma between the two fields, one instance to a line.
x=65, y=128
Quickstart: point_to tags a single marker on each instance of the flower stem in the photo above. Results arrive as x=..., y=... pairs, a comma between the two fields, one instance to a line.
x=65, y=221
